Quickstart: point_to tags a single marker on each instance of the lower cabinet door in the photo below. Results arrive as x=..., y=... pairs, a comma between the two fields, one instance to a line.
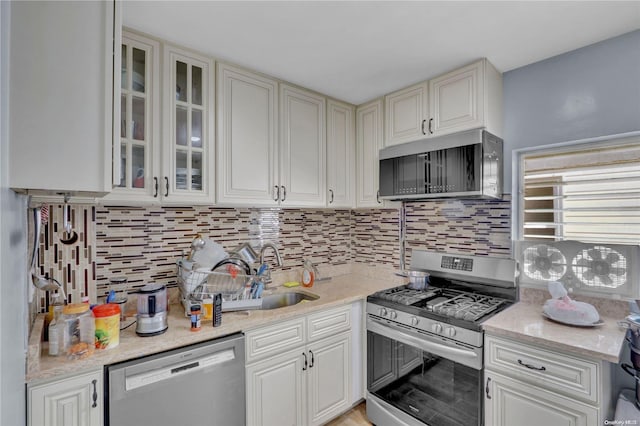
x=329, y=380
x=276, y=390
x=73, y=401
x=510, y=402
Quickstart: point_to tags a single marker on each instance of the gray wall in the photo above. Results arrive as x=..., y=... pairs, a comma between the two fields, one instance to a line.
x=589, y=92
x=13, y=263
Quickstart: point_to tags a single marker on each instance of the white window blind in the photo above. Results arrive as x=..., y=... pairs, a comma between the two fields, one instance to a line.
x=588, y=193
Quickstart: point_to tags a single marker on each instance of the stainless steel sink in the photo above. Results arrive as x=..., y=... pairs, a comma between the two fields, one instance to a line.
x=282, y=300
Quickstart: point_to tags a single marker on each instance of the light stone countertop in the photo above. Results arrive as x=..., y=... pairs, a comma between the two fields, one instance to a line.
x=340, y=290
x=524, y=321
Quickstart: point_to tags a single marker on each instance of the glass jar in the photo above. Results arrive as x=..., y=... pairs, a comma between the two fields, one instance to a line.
x=71, y=315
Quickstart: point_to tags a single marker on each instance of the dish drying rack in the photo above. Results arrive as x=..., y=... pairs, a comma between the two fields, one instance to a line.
x=233, y=284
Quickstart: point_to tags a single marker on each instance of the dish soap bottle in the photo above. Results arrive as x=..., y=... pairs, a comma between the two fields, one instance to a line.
x=308, y=274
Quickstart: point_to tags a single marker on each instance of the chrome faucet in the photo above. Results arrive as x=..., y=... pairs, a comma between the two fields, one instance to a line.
x=275, y=250
x=266, y=277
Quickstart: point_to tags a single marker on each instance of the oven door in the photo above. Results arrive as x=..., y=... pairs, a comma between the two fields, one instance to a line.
x=415, y=378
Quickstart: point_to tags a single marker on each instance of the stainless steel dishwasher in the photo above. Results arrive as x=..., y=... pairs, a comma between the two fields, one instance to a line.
x=201, y=384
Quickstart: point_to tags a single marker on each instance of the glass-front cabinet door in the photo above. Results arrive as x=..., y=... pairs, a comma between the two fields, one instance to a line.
x=136, y=166
x=188, y=128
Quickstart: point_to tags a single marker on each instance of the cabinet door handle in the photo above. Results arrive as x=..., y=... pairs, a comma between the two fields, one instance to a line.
x=94, y=396
x=305, y=361
x=331, y=200
x=277, y=193
x=155, y=186
x=430, y=124
x=531, y=367
x=311, y=365
x=486, y=389
x=284, y=193
x=166, y=186
x=423, y=123
x=378, y=197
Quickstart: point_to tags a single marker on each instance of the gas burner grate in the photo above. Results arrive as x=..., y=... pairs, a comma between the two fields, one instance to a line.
x=404, y=295
x=468, y=306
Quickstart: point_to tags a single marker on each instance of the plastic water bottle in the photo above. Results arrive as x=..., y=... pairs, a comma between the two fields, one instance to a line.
x=56, y=331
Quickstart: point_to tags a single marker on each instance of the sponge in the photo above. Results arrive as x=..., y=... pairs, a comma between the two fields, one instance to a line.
x=291, y=284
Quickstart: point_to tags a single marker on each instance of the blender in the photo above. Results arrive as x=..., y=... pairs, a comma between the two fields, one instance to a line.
x=152, y=310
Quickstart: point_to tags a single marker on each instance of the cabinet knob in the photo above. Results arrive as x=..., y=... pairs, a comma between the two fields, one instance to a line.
x=393, y=314
x=450, y=331
x=383, y=312
x=414, y=321
x=436, y=328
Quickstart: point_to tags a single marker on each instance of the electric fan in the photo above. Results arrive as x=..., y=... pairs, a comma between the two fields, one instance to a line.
x=543, y=262
x=600, y=266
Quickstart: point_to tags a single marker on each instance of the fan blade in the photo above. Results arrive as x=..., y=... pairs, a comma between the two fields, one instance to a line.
x=618, y=271
x=612, y=258
x=557, y=268
x=556, y=257
x=582, y=262
x=545, y=274
x=588, y=275
x=532, y=268
x=530, y=256
x=543, y=250
x=605, y=280
x=594, y=254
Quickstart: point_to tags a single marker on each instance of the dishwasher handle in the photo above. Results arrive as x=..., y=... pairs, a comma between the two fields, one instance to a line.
x=147, y=378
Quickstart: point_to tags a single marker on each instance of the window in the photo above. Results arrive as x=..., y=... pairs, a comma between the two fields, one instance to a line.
x=587, y=192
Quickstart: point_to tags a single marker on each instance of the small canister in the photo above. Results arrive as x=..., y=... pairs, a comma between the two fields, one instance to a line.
x=107, y=325
x=71, y=315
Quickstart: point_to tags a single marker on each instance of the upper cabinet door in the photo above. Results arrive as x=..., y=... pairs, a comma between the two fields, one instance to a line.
x=302, y=147
x=247, y=138
x=188, y=132
x=138, y=151
x=455, y=100
x=341, y=146
x=406, y=113
x=467, y=98
x=368, y=143
x=61, y=62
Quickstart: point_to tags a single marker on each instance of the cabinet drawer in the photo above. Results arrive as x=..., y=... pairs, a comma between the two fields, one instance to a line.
x=565, y=374
x=328, y=323
x=267, y=341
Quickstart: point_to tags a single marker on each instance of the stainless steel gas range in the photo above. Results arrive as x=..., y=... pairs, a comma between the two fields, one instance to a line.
x=424, y=347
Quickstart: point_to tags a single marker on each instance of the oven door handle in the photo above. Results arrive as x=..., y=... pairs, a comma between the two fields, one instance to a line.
x=466, y=357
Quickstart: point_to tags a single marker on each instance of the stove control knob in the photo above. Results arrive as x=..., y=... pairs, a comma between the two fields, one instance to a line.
x=436, y=328
x=414, y=321
x=383, y=312
x=393, y=314
x=451, y=331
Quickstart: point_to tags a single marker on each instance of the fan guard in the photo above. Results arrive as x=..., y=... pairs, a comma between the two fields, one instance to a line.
x=600, y=266
x=543, y=262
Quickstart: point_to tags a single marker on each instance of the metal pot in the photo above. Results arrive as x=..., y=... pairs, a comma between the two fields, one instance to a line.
x=245, y=252
x=632, y=322
x=634, y=373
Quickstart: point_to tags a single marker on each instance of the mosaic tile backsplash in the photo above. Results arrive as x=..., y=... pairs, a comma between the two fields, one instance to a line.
x=143, y=243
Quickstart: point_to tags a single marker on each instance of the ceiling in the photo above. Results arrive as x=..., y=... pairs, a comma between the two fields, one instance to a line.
x=359, y=50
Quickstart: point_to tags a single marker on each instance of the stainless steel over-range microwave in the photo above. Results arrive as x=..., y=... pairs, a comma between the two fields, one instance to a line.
x=466, y=164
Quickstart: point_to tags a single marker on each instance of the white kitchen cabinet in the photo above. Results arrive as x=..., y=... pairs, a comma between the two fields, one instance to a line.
x=138, y=171
x=369, y=134
x=532, y=385
x=77, y=400
x=467, y=98
x=341, y=147
x=188, y=133
x=61, y=129
x=508, y=402
x=247, y=148
x=299, y=372
x=276, y=391
x=406, y=114
x=302, y=147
